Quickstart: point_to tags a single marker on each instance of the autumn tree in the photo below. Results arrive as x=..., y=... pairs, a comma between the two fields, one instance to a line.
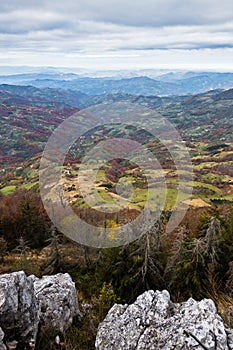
x=22, y=215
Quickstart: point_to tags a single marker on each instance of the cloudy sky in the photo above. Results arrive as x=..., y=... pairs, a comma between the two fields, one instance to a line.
x=110, y=34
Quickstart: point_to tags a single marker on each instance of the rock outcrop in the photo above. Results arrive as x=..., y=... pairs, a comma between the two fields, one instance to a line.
x=58, y=301
x=27, y=303
x=2, y=346
x=153, y=322
x=19, y=310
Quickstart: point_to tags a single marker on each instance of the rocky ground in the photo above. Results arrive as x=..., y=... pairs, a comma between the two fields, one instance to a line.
x=29, y=305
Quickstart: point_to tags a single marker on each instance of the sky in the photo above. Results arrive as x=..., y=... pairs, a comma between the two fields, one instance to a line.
x=118, y=34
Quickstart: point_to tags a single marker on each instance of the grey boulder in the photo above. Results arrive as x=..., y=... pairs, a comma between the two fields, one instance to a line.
x=30, y=303
x=153, y=322
x=19, y=311
x=58, y=301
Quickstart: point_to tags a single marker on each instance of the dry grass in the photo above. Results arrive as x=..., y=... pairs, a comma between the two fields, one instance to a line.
x=225, y=308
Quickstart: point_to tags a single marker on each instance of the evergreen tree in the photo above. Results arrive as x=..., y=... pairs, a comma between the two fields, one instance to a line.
x=196, y=258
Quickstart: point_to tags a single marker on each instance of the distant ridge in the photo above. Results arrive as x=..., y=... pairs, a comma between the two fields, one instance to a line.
x=170, y=84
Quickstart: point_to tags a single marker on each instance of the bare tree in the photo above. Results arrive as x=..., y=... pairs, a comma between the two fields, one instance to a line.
x=149, y=250
x=175, y=251
x=54, y=262
x=23, y=247
x=3, y=248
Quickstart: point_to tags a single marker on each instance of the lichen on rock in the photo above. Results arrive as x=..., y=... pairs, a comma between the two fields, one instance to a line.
x=154, y=322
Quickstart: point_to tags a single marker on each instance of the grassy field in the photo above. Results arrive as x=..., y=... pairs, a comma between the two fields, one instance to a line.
x=212, y=170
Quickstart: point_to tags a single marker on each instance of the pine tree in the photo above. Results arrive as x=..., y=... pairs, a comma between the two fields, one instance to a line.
x=196, y=260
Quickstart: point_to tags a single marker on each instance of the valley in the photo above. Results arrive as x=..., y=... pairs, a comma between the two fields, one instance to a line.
x=204, y=121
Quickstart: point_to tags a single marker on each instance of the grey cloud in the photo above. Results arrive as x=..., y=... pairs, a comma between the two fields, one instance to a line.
x=94, y=37
x=19, y=21
x=149, y=12
x=158, y=12
x=130, y=12
x=90, y=27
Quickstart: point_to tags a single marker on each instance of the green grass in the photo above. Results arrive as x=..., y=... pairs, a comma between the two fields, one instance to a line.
x=30, y=185
x=208, y=186
x=7, y=190
x=213, y=177
x=204, y=165
x=223, y=154
x=166, y=200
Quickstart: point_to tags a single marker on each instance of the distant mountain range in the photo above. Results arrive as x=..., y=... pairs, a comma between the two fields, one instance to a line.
x=45, y=97
x=29, y=114
x=168, y=84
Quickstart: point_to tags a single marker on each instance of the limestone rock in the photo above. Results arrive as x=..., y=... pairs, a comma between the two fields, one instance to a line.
x=58, y=301
x=153, y=322
x=26, y=302
x=2, y=346
x=19, y=315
